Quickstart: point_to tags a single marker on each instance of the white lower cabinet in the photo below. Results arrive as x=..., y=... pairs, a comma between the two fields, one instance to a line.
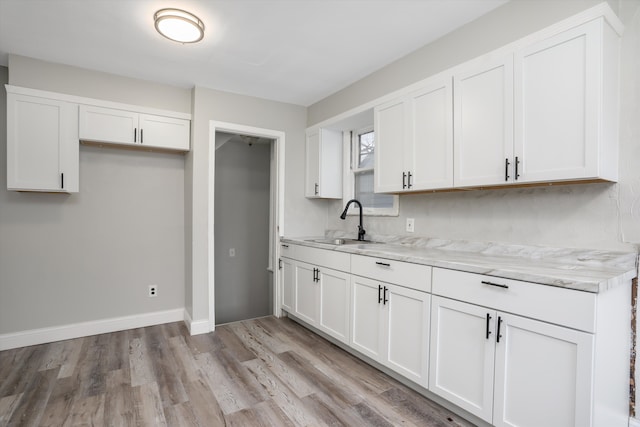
x=390, y=324
x=509, y=352
x=543, y=374
x=322, y=299
x=509, y=370
x=519, y=354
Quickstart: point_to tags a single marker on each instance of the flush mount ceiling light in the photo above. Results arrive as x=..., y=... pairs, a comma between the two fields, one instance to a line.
x=179, y=25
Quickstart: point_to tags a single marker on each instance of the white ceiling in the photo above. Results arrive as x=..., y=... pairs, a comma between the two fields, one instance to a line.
x=296, y=51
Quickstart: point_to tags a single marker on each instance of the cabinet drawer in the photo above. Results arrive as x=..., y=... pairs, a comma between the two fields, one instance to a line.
x=414, y=276
x=322, y=257
x=566, y=307
x=288, y=250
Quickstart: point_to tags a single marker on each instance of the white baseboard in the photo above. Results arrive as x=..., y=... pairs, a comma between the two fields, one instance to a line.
x=634, y=422
x=84, y=329
x=196, y=327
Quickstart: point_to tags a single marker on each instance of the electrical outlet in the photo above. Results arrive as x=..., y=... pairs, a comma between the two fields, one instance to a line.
x=232, y=252
x=410, y=225
x=153, y=290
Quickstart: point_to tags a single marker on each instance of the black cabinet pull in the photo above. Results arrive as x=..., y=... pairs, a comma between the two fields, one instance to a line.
x=316, y=189
x=280, y=264
x=498, y=335
x=488, y=331
x=506, y=169
x=404, y=180
x=284, y=246
x=141, y=136
x=498, y=285
x=135, y=134
x=314, y=274
x=517, y=175
x=385, y=300
x=383, y=264
x=62, y=180
x=379, y=294
x=409, y=185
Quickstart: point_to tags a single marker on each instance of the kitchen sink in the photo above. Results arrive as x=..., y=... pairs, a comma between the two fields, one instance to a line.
x=341, y=241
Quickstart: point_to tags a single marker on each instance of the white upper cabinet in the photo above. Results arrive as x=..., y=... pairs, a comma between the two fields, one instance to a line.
x=415, y=140
x=541, y=110
x=565, y=106
x=483, y=122
x=115, y=126
x=42, y=144
x=546, y=113
x=323, y=166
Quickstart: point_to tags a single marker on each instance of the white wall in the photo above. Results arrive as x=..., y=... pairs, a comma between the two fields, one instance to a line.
x=89, y=256
x=301, y=216
x=589, y=215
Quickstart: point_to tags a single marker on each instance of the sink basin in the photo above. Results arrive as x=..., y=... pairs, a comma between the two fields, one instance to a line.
x=340, y=241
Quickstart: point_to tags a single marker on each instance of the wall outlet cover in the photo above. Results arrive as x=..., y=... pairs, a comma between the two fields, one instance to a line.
x=410, y=225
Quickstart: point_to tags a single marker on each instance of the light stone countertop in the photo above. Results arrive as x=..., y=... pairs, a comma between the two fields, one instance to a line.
x=587, y=270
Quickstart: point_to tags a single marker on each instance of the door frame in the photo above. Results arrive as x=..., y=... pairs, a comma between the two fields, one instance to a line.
x=276, y=204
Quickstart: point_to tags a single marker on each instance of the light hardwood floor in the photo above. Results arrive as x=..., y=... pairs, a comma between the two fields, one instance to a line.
x=262, y=372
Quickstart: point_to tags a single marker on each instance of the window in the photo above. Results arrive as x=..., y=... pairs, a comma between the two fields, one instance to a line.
x=360, y=176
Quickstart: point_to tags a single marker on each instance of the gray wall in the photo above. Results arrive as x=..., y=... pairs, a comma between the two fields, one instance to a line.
x=36, y=74
x=301, y=216
x=88, y=256
x=590, y=215
x=497, y=28
x=242, y=184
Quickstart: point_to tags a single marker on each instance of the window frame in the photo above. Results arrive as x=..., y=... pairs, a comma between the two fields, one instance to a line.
x=351, y=155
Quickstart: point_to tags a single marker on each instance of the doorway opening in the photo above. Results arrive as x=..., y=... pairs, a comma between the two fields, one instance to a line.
x=244, y=287
x=246, y=207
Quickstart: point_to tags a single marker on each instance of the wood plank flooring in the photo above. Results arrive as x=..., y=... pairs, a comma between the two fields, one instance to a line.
x=261, y=372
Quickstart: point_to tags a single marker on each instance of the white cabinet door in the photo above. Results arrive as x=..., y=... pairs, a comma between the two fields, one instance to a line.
x=414, y=140
x=390, y=125
x=42, y=144
x=367, y=322
x=557, y=101
x=335, y=303
x=164, y=132
x=287, y=277
x=407, y=332
x=306, y=293
x=108, y=125
x=323, y=164
x=390, y=324
x=462, y=355
x=429, y=157
x=483, y=122
x=543, y=374
x=114, y=126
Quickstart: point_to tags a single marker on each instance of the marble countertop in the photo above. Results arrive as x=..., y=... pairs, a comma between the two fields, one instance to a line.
x=587, y=270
